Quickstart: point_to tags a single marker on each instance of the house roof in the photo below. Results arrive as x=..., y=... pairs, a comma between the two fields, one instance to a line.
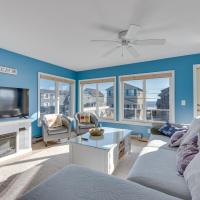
x=93, y=92
x=127, y=85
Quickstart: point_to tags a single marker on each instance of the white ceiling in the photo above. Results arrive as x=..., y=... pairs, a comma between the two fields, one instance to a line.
x=59, y=31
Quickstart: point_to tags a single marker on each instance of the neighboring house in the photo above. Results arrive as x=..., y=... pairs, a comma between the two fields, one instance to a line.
x=47, y=101
x=133, y=102
x=89, y=98
x=163, y=102
x=161, y=112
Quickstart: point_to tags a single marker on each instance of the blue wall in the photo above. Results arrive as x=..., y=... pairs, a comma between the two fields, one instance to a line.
x=28, y=69
x=183, y=67
x=27, y=77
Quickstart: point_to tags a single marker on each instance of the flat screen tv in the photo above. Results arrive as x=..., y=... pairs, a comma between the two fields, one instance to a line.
x=14, y=102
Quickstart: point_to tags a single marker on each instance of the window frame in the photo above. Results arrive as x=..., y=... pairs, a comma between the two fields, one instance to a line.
x=144, y=121
x=196, y=67
x=98, y=80
x=59, y=79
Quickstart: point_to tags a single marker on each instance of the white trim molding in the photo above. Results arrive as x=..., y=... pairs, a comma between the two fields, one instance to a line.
x=195, y=68
x=58, y=79
x=98, y=80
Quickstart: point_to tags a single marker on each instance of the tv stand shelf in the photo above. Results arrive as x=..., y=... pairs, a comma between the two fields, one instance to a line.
x=21, y=129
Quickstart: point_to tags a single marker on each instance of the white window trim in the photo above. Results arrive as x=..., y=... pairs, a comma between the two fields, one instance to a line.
x=80, y=105
x=58, y=77
x=138, y=122
x=195, y=68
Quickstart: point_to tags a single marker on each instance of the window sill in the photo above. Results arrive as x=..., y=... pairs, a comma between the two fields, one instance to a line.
x=136, y=123
x=108, y=120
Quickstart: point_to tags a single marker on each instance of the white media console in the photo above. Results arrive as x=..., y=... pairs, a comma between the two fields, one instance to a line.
x=15, y=137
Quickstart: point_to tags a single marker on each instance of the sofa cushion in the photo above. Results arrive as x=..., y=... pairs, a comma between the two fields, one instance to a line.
x=192, y=177
x=78, y=183
x=160, y=141
x=156, y=168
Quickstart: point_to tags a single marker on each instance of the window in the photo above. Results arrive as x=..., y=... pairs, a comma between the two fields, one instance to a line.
x=46, y=104
x=98, y=96
x=46, y=96
x=56, y=95
x=147, y=97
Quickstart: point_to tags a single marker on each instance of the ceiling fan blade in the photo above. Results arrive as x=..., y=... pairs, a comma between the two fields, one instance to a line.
x=133, y=29
x=112, y=41
x=149, y=42
x=132, y=51
x=110, y=51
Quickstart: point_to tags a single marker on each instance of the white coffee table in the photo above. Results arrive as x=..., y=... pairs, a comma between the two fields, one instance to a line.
x=100, y=153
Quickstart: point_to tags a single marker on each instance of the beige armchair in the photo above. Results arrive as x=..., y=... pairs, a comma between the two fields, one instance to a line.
x=55, y=127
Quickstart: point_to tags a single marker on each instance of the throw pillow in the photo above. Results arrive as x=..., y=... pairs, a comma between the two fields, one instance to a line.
x=85, y=118
x=53, y=121
x=185, y=154
x=58, y=122
x=192, y=177
x=193, y=130
x=176, y=138
x=168, y=129
x=82, y=118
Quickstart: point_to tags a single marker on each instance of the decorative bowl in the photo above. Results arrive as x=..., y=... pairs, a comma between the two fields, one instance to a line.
x=96, y=131
x=96, y=138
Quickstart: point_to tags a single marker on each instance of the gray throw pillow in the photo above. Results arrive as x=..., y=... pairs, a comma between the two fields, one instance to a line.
x=193, y=130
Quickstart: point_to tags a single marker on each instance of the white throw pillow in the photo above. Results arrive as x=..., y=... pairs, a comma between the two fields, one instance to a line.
x=193, y=130
x=192, y=177
x=53, y=121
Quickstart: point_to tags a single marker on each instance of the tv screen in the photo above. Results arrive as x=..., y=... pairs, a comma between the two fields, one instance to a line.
x=14, y=102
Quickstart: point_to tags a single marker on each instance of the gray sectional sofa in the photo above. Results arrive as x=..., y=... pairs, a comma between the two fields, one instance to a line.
x=78, y=183
x=155, y=168
x=152, y=177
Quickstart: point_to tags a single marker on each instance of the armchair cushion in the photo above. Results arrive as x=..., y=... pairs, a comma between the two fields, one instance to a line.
x=57, y=130
x=53, y=120
x=86, y=126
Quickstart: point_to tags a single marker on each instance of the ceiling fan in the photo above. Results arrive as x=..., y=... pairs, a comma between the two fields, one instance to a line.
x=127, y=41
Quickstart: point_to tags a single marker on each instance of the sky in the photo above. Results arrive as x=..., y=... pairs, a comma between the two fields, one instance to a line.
x=48, y=84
